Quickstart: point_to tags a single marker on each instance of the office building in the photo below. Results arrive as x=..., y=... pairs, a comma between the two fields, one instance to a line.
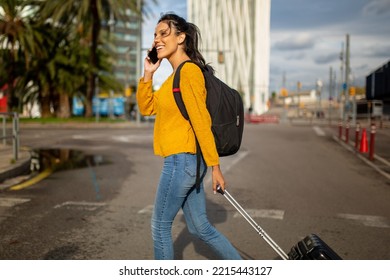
x=236, y=41
x=127, y=37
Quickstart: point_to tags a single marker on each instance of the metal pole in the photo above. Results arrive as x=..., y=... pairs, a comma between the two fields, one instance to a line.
x=97, y=100
x=4, y=131
x=342, y=93
x=111, y=104
x=15, y=133
x=330, y=94
x=347, y=71
x=299, y=97
x=139, y=54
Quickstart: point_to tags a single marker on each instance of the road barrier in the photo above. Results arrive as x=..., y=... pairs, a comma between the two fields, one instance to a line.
x=15, y=132
x=265, y=118
x=361, y=144
x=357, y=132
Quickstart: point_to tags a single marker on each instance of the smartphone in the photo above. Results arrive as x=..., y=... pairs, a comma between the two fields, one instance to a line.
x=153, y=55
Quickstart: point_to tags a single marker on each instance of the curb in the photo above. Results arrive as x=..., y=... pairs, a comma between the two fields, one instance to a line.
x=15, y=170
x=367, y=161
x=20, y=168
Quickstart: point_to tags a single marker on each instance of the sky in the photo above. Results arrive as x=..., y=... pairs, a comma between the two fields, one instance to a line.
x=307, y=37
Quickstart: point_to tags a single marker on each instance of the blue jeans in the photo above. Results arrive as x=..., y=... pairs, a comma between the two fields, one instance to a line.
x=177, y=190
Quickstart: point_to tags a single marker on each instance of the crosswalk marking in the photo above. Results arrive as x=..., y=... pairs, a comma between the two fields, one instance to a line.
x=81, y=205
x=264, y=213
x=149, y=210
x=146, y=210
x=367, y=220
x=318, y=131
x=255, y=213
x=12, y=201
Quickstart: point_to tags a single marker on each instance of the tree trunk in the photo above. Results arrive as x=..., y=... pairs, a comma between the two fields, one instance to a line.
x=45, y=101
x=64, y=108
x=45, y=106
x=90, y=93
x=96, y=25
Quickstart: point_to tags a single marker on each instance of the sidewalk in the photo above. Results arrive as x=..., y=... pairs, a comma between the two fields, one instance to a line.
x=11, y=170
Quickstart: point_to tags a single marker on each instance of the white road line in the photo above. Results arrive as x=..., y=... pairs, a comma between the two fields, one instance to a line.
x=118, y=138
x=263, y=213
x=10, y=202
x=254, y=213
x=227, y=163
x=133, y=138
x=234, y=160
x=367, y=220
x=147, y=210
x=318, y=131
x=80, y=205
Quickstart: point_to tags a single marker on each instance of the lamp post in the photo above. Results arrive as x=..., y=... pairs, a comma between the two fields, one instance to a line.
x=299, y=86
x=330, y=99
x=139, y=54
x=318, y=91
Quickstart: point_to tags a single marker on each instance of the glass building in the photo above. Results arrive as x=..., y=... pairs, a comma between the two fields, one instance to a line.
x=236, y=41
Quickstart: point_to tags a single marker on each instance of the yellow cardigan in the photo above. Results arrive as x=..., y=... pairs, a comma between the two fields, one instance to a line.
x=172, y=133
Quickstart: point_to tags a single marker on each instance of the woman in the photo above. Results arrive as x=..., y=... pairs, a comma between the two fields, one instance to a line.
x=177, y=40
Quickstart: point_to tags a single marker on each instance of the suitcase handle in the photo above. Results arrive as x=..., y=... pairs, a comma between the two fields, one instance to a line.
x=249, y=219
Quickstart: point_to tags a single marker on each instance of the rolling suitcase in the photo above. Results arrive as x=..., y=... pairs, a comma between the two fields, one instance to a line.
x=311, y=247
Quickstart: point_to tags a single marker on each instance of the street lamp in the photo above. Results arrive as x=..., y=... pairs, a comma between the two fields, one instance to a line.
x=318, y=91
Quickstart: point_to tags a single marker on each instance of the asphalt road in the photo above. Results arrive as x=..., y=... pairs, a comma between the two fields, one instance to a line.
x=293, y=180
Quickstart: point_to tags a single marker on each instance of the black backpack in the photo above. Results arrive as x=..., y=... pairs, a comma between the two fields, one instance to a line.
x=226, y=110
x=225, y=107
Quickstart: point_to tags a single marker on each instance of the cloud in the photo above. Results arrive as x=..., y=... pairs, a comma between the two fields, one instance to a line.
x=377, y=8
x=326, y=59
x=298, y=56
x=297, y=42
x=380, y=52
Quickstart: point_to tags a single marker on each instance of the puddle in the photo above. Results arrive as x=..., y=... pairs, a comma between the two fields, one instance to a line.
x=44, y=162
x=62, y=159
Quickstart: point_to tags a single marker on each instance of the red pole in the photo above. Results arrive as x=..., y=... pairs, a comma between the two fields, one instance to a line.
x=357, y=131
x=372, y=141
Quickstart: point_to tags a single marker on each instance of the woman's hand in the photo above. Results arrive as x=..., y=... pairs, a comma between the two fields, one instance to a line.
x=217, y=178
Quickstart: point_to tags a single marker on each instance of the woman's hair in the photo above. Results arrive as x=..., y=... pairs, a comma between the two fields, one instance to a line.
x=192, y=36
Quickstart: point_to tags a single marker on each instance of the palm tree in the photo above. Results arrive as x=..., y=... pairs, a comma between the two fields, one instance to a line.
x=54, y=73
x=88, y=16
x=19, y=40
x=61, y=72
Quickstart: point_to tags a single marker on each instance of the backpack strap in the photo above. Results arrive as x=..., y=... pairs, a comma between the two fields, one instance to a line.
x=180, y=104
x=177, y=92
